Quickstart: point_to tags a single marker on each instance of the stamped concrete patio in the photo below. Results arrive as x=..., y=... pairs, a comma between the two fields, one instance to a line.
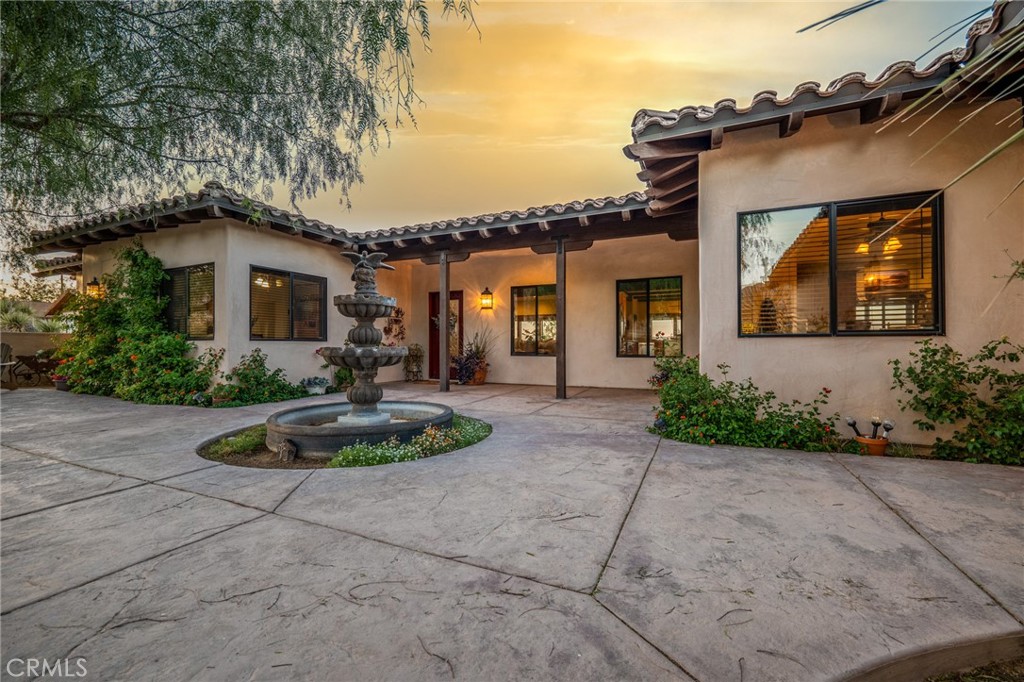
x=571, y=544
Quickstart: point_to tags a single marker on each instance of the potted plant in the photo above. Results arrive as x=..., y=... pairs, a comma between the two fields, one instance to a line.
x=315, y=385
x=471, y=365
x=872, y=445
x=413, y=363
x=60, y=381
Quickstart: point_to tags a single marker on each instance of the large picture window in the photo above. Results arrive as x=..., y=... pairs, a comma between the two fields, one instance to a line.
x=650, y=317
x=287, y=306
x=189, y=308
x=534, y=320
x=859, y=267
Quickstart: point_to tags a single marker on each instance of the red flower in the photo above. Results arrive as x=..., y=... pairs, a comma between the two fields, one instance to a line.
x=826, y=389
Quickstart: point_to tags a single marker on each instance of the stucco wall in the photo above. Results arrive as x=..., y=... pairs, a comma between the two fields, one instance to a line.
x=834, y=158
x=232, y=247
x=590, y=306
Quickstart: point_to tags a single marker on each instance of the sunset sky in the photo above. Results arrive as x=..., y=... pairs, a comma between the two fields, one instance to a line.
x=535, y=108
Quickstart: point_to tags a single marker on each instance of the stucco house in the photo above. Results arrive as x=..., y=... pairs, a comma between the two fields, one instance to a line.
x=796, y=240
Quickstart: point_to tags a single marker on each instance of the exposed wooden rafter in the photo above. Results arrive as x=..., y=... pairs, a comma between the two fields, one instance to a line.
x=791, y=123
x=666, y=149
x=881, y=107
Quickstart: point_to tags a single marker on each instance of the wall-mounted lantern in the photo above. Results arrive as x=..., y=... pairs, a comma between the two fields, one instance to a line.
x=486, y=299
x=94, y=288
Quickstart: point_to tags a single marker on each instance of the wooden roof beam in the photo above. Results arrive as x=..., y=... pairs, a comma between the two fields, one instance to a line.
x=672, y=200
x=459, y=236
x=485, y=233
x=881, y=107
x=584, y=221
x=656, y=172
x=627, y=215
x=544, y=225
x=791, y=124
x=540, y=249
x=666, y=149
x=514, y=229
x=674, y=185
x=426, y=239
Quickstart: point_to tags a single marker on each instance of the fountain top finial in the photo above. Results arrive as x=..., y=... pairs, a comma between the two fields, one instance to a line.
x=365, y=273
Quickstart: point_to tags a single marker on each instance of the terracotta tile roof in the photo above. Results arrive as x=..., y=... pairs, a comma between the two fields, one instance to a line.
x=503, y=218
x=44, y=267
x=648, y=121
x=213, y=200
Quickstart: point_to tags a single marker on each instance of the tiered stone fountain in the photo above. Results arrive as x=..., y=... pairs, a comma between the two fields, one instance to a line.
x=319, y=431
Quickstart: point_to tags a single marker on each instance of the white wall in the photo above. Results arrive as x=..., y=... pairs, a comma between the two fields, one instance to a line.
x=590, y=306
x=232, y=247
x=834, y=158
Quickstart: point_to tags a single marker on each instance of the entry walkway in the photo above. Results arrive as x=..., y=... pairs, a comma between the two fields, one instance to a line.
x=571, y=544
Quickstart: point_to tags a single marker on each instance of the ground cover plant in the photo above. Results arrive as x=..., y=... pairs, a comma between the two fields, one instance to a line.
x=464, y=431
x=981, y=394
x=694, y=408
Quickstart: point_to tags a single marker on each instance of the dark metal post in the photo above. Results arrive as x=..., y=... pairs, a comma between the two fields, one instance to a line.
x=443, y=334
x=559, y=319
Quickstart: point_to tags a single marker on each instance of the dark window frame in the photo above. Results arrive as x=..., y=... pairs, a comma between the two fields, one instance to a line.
x=291, y=303
x=648, y=280
x=185, y=269
x=937, y=261
x=536, y=316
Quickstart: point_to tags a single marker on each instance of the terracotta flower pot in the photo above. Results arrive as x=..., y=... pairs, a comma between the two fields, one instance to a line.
x=872, y=446
x=479, y=377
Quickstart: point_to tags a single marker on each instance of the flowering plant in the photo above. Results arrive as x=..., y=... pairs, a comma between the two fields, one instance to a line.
x=309, y=382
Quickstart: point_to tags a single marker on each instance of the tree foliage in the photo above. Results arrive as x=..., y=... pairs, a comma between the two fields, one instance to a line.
x=104, y=100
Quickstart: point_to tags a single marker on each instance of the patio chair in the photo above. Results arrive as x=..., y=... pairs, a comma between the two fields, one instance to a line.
x=7, y=366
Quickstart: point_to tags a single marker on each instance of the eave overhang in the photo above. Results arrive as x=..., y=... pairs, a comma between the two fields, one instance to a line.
x=211, y=202
x=576, y=222
x=668, y=144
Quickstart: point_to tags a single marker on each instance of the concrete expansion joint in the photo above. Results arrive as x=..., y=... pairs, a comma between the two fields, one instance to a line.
x=625, y=517
x=445, y=557
x=143, y=560
x=896, y=512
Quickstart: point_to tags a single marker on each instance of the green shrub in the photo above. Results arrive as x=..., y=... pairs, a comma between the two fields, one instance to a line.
x=251, y=382
x=119, y=345
x=696, y=409
x=465, y=431
x=161, y=370
x=981, y=394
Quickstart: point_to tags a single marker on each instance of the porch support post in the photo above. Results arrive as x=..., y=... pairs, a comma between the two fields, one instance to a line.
x=443, y=335
x=559, y=319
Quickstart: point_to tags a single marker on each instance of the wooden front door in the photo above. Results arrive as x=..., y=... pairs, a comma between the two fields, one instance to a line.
x=455, y=343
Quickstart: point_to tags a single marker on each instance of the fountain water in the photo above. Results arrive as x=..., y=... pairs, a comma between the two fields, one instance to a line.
x=319, y=431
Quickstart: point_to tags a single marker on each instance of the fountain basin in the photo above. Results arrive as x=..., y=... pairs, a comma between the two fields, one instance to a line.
x=364, y=305
x=316, y=434
x=355, y=357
